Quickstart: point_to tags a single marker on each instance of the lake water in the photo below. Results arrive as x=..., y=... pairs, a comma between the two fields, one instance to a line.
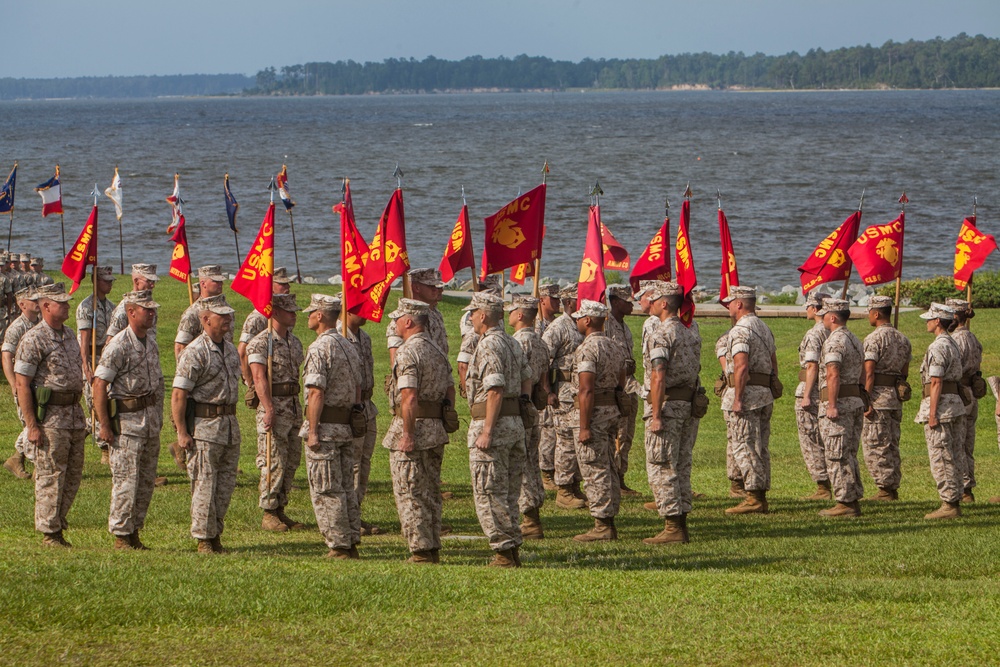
x=791, y=166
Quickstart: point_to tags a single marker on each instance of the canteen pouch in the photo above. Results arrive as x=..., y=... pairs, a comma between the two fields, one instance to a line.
x=903, y=390
x=189, y=416
x=720, y=385
x=978, y=385
x=699, y=403
x=359, y=421
x=539, y=397
x=42, y=396
x=449, y=415
x=529, y=414
x=251, y=399
x=777, y=389
x=116, y=423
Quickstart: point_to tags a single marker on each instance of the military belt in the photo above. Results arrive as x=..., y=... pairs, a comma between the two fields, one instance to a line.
x=209, y=410
x=425, y=410
x=886, y=380
x=681, y=393
x=334, y=414
x=947, y=387
x=126, y=405
x=64, y=397
x=603, y=397
x=510, y=407
x=845, y=391
x=279, y=389
x=755, y=380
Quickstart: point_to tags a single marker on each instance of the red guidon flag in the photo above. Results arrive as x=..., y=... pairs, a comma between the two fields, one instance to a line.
x=83, y=253
x=878, y=252
x=730, y=276
x=522, y=272
x=254, y=278
x=458, y=253
x=654, y=262
x=354, y=254
x=514, y=233
x=684, y=261
x=971, y=250
x=387, y=257
x=180, y=262
x=615, y=255
x=830, y=262
x=591, y=284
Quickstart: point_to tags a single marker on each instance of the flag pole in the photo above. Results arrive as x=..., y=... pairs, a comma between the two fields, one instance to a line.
x=725, y=267
x=93, y=324
x=343, y=283
x=843, y=293
x=968, y=288
x=475, y=280
x=62, y=229
x=269, y=434
x=538, y=262
x=903, y=199
x=10, y=227
x=121, y=247
x=407, y=289
x=295, y=247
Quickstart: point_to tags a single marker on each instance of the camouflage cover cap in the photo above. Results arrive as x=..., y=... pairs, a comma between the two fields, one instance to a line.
x=740, y=292
x=568, y=292
x=832, y=305
x=323, y=302
x=491, y=284
x=663, y=289
x=26, y=257
x=938, y=311
x=143, y=298
x=106, y=273
x=409, y=307
x=37, y=261
x=645, y=286
x=55, y=292
x=815, y=299
x=878, y=301
x=623, y=292
x=431, y=277
x=212, y=272
x=522, y=301
x=958, y=305
x=285, y=302
x=147, y=271
x=281, y=276
x=590, y=308
x=485, y=301
x=3, y=256
x=548, y=289
x=28, y=293
x=216, y=304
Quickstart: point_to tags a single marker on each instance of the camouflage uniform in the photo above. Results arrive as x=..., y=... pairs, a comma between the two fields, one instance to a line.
x=562, y=339
x=420, y=365
x=333, y=366
x=733, y=473
x=435, y=331
x=118, y=321
x=252, y=325
x=943, y=360
x=131, y=367
x=841, y=436
x=751, y=429
x=972, y=358
x=211, y=375
x=496, y=472
x=364, y=447
x=807, y=418
x=546, y=418
x=668, y=452
x=6, y=292
x=621, y=334
x=85, y=320
x=51, y=358
x=605, y=358
x=891, y=352
x=11, y=339
x=286, y=445
x=537, y=354
x=189, y=326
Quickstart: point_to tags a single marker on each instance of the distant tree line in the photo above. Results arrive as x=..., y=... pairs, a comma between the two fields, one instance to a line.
x=124, y=86
x=959, y=62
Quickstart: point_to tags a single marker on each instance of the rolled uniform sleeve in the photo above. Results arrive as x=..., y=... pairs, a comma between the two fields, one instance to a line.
x=187, y=374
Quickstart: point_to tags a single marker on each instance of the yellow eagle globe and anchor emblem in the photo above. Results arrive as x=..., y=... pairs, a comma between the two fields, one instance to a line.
x=888, y=250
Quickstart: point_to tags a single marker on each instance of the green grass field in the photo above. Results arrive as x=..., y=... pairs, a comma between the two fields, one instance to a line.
x=790, y=588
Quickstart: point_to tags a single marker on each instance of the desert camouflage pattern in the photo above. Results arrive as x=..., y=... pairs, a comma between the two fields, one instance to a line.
x=435, y=331
x=562, y=339
x=189, y=326
x=364, y=447
x=972, y=358
x=943, y=360
x=842, y=436
x=537, y=354
x=750, y=429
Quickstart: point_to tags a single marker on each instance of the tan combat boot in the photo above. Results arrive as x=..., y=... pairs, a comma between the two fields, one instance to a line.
x=822, y=492
x=604, y=529
x=123, y=543
x=15, y=464
x=292, y=523
x=968, y=496
x=447, y=495
x=697, y=496
x=55, y=539
x=531, y=525
x=136, y=542
x=565, y=499
x=754, y=502
x=843, y=510
x=273, y=522
x=736, y=489
x=205, y=547
x=217, y=545
x=577, y=492
x=651, y=506
x=368, y=529
x=338, y=554
x=548, y=482
x=421, y=558
x=946, y=511
x=503, y=558
x=160, y=481
x=625, y=489
x=994, y=500
x=673, y=532
x=885, y=495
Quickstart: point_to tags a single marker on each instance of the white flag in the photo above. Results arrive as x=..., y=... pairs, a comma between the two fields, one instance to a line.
x=114, y=193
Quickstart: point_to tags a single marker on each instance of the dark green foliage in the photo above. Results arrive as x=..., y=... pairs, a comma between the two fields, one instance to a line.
x=922, y=291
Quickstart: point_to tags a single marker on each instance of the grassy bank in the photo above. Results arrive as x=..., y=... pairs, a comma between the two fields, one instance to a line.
x=789, y=588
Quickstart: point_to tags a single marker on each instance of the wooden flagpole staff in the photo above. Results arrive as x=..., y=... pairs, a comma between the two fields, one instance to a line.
x=538, y=262
x=121, y=243
x=93, y=324
x=62, y=222
x=968, y=288
x=407, y=289
x=10, y=227
x=843, y=293
x=903, y=201
x=343, y=283
x=269, y=434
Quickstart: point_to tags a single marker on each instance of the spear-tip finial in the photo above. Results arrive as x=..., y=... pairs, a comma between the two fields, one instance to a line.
x=687, y=191
x=463, y=196
x=398, y=175
x=718, y=195
x=975, y=205
x=903, y=200
x=666, y=207
x=545, y=170
x=862, y=202
x=95, y=194
x=597, y=191
x=343, y=188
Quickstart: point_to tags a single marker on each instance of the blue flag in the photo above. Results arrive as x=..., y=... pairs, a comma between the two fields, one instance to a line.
x=7, y=192
x=232, y=206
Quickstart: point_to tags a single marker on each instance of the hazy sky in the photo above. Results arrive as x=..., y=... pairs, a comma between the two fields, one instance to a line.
x=101, y=37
